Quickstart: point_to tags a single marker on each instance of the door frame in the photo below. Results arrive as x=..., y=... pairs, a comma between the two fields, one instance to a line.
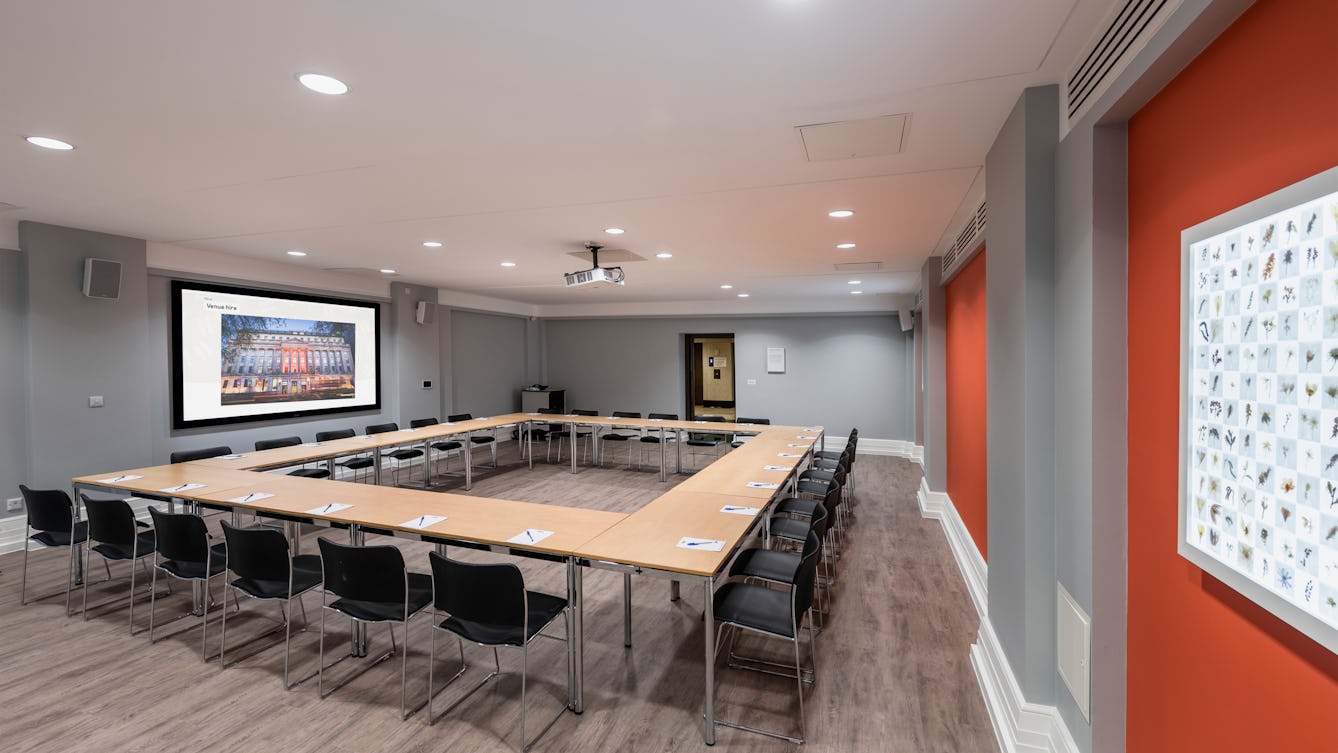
x=689, y=372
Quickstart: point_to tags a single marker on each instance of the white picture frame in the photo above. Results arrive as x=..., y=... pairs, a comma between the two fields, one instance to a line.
x=775, y=360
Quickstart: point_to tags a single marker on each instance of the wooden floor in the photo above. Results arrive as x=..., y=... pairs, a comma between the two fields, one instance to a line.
x=893, y=668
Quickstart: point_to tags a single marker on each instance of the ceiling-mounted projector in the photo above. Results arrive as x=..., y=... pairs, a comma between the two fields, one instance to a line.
x=596, y=276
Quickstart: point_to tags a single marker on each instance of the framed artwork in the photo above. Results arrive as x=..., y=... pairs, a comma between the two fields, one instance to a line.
x=1259, y=402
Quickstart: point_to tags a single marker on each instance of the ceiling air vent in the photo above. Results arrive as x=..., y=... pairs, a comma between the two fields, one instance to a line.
x=1125, y=31
x=858, y=266
x=362, y=272
x=968, y=241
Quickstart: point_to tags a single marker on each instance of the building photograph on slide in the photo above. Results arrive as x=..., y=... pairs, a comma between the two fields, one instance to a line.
x=276, y=360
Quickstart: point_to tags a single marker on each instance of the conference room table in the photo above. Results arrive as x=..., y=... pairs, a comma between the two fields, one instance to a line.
x=689, y=534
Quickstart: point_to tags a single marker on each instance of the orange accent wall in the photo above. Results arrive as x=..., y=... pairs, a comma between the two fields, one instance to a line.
x=1256, y=111
x=964, y=301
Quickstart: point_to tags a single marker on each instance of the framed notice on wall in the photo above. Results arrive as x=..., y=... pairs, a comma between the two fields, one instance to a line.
x=1259, y=402
x=775, y=360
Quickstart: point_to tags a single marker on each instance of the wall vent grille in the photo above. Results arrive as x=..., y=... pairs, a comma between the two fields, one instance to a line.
x=1126, y=31
x=968, y=241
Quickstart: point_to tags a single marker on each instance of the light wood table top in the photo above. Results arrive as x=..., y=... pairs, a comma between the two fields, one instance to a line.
x=157, y=480
x=295, y=455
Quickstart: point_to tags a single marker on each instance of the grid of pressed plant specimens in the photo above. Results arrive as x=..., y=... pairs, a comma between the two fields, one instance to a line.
x=1262, y=365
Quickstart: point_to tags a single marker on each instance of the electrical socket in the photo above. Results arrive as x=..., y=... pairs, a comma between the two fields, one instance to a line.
x=14, y=505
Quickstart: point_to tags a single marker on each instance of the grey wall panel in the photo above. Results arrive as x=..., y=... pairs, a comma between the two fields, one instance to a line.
x=242, y=437
x=1020, y=174
x=841, y=371
x=81, y=347
x=934, y=372
x=417, y=352
x=488, y=362
x=13, y=375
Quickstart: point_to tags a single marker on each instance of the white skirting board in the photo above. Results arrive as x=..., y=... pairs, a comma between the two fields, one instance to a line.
x=1019, y=726
x=895, y=447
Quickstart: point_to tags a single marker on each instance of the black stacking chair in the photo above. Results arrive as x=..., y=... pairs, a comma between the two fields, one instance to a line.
x=558, y=432
x=617, y=436
x=204, y=453
x=773, y=613
x=183, y=552
x=706, y=439
x=487, y=605
x=371, y=585
x=270, y=444
x=652, y=436
x=114, y=535
x=51, y=514
x=476, y=440
x=737, y=440
x=443, y=447
x=400, y=455
x=788, y=522
x=771, y=564
x=357, y=462
x=267, y=570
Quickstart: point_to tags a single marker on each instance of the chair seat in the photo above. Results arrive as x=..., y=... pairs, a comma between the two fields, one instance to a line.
x=446, y=446
x=812, y=487
x=306, y=575
x=616, y=437
x=544, y=608
x=797, y=506
x=357, y=463
x=123, y=552
x=405, y=454
x=757, y=607
x=420, y=595
x=310, y=473
x=483, y=440
x=818, y=475
x=656, y=438
x=62, y=538
x=702, y=442
x=789, y=528
x=766, y=564
x=827, y=454
x=196, y=570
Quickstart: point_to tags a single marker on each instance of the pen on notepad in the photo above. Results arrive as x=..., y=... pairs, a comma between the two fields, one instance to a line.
x=179, y=488
x=119, y=478
x=327, y=508
x=421, y=520
x=248, y=497
x=732, y=508
x=527, y=533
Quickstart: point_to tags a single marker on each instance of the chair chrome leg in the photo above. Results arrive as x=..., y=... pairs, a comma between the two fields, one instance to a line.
x=23, y=584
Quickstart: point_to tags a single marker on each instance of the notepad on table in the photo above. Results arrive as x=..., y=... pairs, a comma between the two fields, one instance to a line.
x=118, y=479
x=736, y=510
x=252, y=497
x=762, y=485
x=233, y=456
x=775, y=467
x=708, y=545
x=327, y=509
x=423, y=521
x=182, y=488
x=530, y=536
x=311, y=444
x=788, y=455
x=792, y=444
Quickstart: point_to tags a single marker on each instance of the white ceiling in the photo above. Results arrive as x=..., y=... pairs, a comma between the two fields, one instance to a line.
x=517, y=130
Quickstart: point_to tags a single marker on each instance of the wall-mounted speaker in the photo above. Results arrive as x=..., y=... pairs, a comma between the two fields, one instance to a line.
x=423, y=314
x=907, y=319
x=102, y=279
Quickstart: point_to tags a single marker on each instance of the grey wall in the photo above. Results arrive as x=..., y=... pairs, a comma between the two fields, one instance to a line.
x=81, y=347
x=933, y=332
x=841, y=371
x=13, y=375
x=417, y=352
x=488, y=362
x=1020, y=175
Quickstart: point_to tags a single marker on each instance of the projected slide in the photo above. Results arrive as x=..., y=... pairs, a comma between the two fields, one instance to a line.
x=245, y=355
x=1259, y=501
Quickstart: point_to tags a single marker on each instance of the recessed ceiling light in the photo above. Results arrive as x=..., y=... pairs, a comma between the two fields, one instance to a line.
x=432, y=244
x=508, y=264
x=743, y=295
x=840, y=213
x=614, y=230
x=322, y=84
x=845, y=245
x=853, y=282
x=47, y=142
x=664, y=255
x=726, y=287
x=856, y=292
x=297, y=253
x=387, y=271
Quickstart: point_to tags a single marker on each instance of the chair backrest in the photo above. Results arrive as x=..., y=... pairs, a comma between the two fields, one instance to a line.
x=273, y=444
x=48, y=509
x=802, y=595
x=760, y=421
x=333, y=434
x=492, y=593
x=110, y=521
x=382, y=428
x=663, y=416
x=185, y=456
x=257, y=553
x=363, y=573
x=625, y=414
x=181, y=536
x=712, y=419
x=459, y=417
x=585, y=413
x=419, y=423
x=832, y=499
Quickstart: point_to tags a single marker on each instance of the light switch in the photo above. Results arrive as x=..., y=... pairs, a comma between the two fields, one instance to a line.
x=95, y=401
x=427, y=384
x=752, y=382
